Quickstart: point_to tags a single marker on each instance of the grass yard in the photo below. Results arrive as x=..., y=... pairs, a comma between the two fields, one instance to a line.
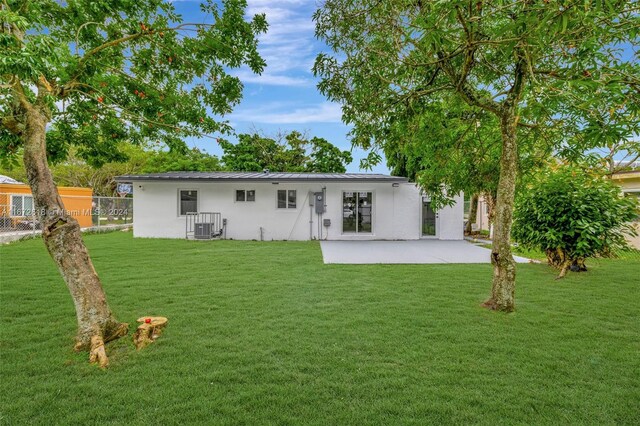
x=264, y=333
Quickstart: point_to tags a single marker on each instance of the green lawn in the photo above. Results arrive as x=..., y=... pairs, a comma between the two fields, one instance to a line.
x=264, y=333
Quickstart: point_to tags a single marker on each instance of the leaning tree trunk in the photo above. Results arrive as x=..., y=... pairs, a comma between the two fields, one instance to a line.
x=473, y=213
x=62, y=237
x=504, y=267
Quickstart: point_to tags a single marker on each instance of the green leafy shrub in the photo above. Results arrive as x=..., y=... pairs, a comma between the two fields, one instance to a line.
x=572, y=214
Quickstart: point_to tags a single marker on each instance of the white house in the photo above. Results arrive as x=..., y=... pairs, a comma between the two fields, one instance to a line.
x=287, y=206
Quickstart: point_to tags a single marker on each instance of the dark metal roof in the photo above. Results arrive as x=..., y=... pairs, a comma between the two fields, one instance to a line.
x=262, y=176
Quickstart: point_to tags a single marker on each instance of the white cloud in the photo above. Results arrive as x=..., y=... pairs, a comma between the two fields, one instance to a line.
x=264, y=3
x=326, y=112
x=273, y=79
x=288, y=46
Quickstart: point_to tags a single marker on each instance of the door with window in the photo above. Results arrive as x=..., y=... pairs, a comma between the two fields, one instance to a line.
x=357, y=212
x=429, y=219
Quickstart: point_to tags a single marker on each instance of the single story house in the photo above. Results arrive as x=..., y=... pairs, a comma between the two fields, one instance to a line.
x=287, y=206
x=629, y=183
x=17, y=210
x=481, y=220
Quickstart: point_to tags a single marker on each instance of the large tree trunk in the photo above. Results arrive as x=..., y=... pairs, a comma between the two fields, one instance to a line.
x=504, y=267
x=473, y=213
x=61, y=234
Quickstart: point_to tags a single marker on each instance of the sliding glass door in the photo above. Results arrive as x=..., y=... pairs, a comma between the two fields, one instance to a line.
x=357, y=212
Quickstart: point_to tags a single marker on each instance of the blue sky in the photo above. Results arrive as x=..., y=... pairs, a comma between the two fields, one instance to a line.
x=284, y=97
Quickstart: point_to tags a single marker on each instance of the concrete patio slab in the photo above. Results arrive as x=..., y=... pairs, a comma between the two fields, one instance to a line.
x=416, y=251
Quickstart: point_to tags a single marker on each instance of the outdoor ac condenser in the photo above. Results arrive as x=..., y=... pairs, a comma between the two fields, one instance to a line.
x=202, y=231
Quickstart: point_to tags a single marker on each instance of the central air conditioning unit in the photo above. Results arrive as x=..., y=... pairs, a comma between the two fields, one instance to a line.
x=202, y=231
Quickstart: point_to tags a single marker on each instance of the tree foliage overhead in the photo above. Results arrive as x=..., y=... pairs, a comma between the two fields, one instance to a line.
x=577, y=65
x=448, y=147
x=293, y=152
x=580, y=79
x=571, y=215
x=108, y=71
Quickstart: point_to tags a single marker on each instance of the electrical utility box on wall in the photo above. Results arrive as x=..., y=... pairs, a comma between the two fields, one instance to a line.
x=319, y=201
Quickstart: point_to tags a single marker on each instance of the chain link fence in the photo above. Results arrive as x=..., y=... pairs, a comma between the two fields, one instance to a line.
x=19, y=217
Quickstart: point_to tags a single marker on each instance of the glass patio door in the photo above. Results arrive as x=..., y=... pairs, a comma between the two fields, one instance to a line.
x=357, y=212
x=429, y=218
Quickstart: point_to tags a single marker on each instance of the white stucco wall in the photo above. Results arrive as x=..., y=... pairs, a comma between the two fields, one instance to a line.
x=450, y=221
x=396, y=211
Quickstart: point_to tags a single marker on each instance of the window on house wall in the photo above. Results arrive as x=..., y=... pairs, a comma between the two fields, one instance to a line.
x=287, y=198
x=188, y=201
x=245, y=195
x=22, y=205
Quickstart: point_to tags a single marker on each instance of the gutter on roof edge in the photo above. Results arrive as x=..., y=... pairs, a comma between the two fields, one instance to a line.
x=126, y=178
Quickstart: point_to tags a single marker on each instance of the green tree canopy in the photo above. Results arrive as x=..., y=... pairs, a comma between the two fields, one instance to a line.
x=132, y=71
x=448, y=147
x=289, y=153
x=572, y=214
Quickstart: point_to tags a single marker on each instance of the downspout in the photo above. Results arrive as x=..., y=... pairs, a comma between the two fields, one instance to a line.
x=324, y=206
x=393, y=212
x=310, y=220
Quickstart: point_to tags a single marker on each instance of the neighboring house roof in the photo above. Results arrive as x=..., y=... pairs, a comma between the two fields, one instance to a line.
x=11, y=181
x=262, y=176
x=627, y=174
x=629, y=181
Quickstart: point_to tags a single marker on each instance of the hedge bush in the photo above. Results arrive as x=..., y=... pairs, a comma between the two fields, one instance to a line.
x=572, y=214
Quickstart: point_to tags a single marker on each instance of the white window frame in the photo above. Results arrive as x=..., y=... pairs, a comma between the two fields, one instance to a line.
x=286, y=207
x=235, y=196
x=179, y=199
x=373, y=214
x=11, y=206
